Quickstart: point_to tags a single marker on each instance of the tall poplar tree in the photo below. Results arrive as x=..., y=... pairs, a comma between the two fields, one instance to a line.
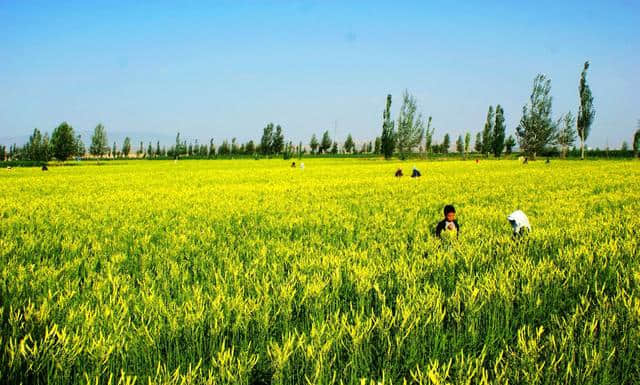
x=586, y=112
x=460, y=145
x=478, y=145
x=99, y=141
x=126, y=147
x=63, y=141
x=313, y=144
x=388, y=137
x=536, y=129
x=487, y=133
x=566, y=136
x=325, y=143
x=636, y=141
x=266, y=139
x=410, y=128
x=467, y=143
x=499, y=132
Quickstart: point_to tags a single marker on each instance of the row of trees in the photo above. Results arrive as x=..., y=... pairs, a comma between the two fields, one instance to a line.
x=326, y=145
x=536, y=132
x=537, y=129
x=40, y=148
x=409, y=133
x=493, y=136
x=62, y=144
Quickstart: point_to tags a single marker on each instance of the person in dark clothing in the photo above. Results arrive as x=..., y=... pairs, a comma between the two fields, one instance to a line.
x=293, y=165
x=449, y=223
x=45, y=168
x=399, y=173
x=415, y=173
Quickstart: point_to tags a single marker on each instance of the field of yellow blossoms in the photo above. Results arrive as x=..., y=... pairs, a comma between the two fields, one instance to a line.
x=253, y=272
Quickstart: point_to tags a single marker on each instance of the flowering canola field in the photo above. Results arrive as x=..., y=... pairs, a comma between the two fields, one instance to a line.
x=251, y=272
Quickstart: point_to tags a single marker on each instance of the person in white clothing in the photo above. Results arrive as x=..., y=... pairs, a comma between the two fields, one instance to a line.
x=519, y=222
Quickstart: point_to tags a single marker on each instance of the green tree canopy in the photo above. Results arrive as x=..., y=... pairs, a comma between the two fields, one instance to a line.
x=410, y=126
x=99, y=142
x=536, y=129
x=126, y=146
x=487, y=133
x=499, y=132
x=277, y=141
x=349, y=145
x=266, y=140
x=566, y=135
x=478, y=144
x=388, y=136
x=467, y=142
x=325, y=143
x=586, y=112
x=63, y=141
x=509, y=144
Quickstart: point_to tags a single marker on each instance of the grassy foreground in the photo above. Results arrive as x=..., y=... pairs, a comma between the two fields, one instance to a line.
x=249, y=272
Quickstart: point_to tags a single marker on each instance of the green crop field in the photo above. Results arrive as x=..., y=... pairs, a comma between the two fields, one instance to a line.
x=253, y=272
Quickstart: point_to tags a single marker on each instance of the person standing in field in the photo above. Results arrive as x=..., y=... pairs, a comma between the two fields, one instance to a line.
x=399, y=173
x=449, y=223
x=415, y=173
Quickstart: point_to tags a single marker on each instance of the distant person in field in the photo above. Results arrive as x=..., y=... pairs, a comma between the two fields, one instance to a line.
x=449, y=223
x=477, y=161
x=293, y=165
x=45, y=168
x=399, y=173
x=519, y=223
x=302, y=166
x=415, y=173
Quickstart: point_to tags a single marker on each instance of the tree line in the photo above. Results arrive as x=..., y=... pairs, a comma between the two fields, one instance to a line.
x=410, y=133
x=536, y=133
x=537, y=129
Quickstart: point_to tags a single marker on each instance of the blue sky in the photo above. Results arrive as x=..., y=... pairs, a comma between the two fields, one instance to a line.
x=224, y=69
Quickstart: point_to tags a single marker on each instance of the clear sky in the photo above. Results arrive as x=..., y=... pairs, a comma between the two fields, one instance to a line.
x=224, y=69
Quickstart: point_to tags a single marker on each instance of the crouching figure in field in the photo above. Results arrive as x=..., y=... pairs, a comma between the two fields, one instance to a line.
x=449, y=225
x=519, y=223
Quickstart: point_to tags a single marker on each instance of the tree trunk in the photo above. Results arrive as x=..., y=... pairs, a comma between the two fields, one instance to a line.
x=582, y=148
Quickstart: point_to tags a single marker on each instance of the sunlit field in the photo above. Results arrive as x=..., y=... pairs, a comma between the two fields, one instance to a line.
x=253, y=272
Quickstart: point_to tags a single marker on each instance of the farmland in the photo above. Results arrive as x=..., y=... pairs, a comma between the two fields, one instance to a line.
x=249, y=272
